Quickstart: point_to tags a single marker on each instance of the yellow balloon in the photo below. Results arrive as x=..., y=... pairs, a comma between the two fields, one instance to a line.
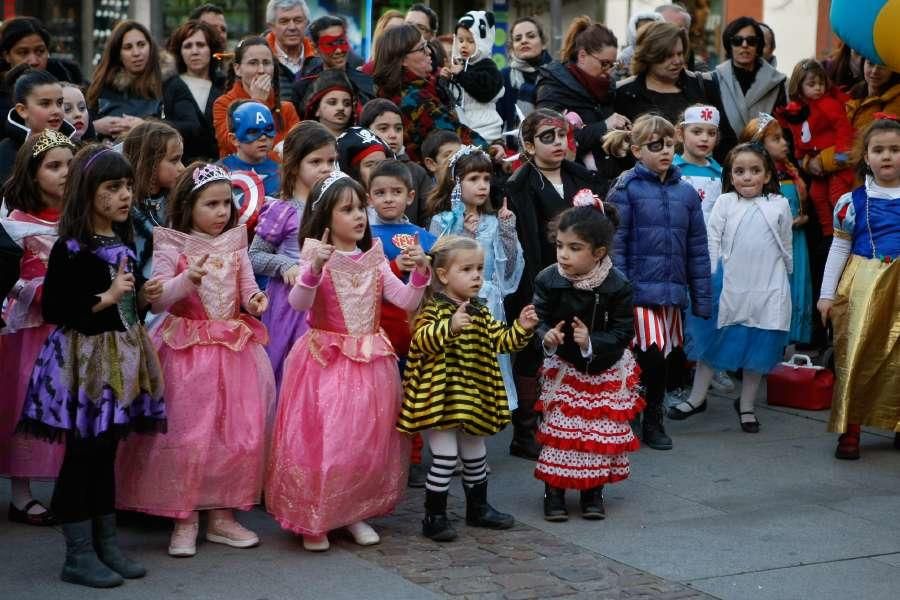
x=884, y=34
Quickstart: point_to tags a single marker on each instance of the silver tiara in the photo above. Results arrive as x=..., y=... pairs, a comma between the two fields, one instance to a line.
x=335, y=176
x=762, y=121
x=207, y=174
x=463, y=151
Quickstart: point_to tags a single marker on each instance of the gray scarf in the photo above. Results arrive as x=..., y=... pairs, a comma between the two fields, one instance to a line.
x=517, y=67
x=760, y=97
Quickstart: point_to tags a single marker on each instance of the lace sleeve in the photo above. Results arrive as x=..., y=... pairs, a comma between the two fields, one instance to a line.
x=266, y=260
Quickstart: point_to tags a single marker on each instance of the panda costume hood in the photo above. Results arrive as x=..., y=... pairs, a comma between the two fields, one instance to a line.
x=481, y=24
x=479, y=85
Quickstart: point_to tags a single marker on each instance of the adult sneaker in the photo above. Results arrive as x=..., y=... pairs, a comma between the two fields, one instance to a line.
x=231, y=533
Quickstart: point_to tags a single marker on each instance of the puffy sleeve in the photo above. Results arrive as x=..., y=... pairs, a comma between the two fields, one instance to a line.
x=166, y=257
x=303, y=293
x=508, y=256
x=844, y=217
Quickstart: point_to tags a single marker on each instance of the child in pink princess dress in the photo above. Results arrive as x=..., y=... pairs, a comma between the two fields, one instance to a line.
x=34, y=194
x=336, y=458
x=219, y=382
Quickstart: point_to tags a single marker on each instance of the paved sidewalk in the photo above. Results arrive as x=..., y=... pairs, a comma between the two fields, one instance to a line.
x=732, y=515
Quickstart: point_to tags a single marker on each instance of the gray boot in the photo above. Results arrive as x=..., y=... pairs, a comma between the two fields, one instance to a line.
x=82, y=566
x=108, y=549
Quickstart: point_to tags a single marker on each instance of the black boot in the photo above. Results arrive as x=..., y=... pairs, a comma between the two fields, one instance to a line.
x=592, y=504
x=481, y=514
x=525, y=420
x=82, y=566
x=555, y=504
x=108, y=551
x=436, y=525
x=654, y=434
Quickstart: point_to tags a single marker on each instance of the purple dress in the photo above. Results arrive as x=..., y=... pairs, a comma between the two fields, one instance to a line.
x=275, y=249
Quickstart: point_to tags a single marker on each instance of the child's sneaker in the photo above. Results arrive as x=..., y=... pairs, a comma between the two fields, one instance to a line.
x=231, y=533
x=184, y=539
x=363, y=534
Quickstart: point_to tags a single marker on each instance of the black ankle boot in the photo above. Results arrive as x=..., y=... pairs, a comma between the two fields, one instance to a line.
x=654, y=434
x=555, y=504
x=436, y=525
x=82, y=566
x=592, y=504
x=481, y=514
x=107, y=548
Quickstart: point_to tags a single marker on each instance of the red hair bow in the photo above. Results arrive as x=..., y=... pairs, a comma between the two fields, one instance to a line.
x=879, y=116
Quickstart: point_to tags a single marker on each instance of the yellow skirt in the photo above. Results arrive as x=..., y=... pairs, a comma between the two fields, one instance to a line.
x=866, y=317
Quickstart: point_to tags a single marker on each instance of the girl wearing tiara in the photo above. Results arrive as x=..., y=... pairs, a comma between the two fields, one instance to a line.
x=767, y=131
x=460, y=205
x=590, y=377
x=213, y=453
x=336, y=458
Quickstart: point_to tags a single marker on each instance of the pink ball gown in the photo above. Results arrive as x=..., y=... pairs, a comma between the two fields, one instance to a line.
x=25, y=333
x=219, y=385
x=336, y=457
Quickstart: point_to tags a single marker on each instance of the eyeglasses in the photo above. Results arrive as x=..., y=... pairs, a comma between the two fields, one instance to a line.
x=606, y=65
x=551, y=135
x=424, y=49
x=657, y=145
x=738, y=40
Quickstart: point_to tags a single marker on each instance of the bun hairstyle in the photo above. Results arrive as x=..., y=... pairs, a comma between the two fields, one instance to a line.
x=585, y=34
x=771, y=186
x=22, y=79
x=882, y=123
x=304, y=138
x=595, y=224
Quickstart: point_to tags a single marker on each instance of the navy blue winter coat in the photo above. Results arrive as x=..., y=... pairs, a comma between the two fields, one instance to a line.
x=660, y=243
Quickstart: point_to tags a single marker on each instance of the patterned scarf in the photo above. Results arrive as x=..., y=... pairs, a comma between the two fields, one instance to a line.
x=591, y=279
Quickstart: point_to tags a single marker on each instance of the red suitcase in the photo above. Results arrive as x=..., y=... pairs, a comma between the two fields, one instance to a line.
x=800, y=384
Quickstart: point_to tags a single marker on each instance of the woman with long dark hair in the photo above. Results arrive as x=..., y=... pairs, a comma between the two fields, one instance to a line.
x=127, y=84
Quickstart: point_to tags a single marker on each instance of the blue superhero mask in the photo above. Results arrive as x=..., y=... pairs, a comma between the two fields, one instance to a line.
x=253, y=120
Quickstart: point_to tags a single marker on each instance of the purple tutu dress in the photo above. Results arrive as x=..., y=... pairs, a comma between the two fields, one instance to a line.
x=275, y=249
x=98, y=372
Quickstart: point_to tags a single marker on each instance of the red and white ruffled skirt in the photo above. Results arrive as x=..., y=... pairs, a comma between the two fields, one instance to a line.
x=585, y=430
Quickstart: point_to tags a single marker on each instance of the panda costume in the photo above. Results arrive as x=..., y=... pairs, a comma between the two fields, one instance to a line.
x=479, y=85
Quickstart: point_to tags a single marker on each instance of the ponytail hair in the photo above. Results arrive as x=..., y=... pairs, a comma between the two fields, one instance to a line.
x=585, y=34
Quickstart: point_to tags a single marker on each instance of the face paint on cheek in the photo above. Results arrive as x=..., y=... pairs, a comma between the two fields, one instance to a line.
x=329, y=44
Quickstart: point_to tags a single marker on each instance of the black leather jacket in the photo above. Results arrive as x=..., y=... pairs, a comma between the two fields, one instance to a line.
x=607, y=310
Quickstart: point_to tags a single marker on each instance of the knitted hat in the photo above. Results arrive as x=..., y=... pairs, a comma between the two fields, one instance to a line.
x=328, y=80
x=355, y=144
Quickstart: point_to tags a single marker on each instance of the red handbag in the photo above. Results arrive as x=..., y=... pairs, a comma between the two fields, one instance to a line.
x=800, y=384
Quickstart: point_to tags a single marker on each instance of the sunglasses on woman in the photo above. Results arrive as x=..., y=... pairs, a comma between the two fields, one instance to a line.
x=739, y=40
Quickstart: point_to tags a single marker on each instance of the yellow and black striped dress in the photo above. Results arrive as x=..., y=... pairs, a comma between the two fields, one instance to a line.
x=454, y=381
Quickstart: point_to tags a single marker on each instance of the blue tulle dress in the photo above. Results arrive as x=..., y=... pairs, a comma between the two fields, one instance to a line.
x=801, y=280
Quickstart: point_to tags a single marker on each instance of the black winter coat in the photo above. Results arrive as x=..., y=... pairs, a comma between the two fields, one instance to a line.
x=194, y=124
x=63, y=70
x=535, y=203
x=607, y=310
x=559, y=90
x=15, y=133
x=634, y=99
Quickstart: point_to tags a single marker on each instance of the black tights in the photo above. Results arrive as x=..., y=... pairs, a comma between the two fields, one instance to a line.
x=86, y=486
x=657, y=371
